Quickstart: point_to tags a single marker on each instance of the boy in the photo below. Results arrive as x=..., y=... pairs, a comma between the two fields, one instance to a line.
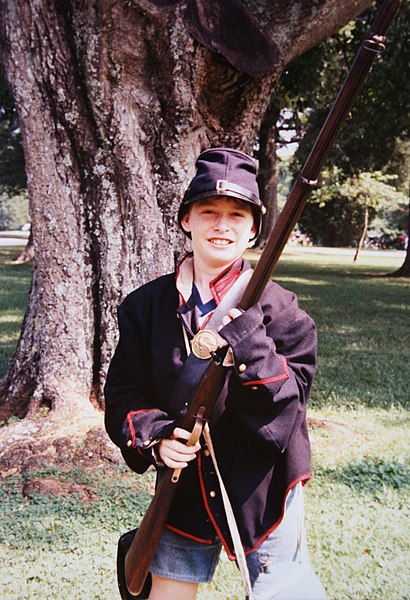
x=258, y=425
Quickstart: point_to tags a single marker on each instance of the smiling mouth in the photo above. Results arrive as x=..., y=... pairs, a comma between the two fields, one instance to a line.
x=219, y=242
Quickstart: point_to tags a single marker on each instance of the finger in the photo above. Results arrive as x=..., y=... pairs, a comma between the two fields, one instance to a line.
x=180, y=459
x=172, y=464
x=226, y=320
x=177, y=447
x=221, y=341
x=181, y=434
x=234, y=313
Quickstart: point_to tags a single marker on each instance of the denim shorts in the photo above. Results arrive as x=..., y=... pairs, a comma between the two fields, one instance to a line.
x=178, y=557
x=183, y=559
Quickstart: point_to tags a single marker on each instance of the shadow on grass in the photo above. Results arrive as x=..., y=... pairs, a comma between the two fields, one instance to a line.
x=371, y=475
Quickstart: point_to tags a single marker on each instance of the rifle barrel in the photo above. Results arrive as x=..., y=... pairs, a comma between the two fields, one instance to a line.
x=300, y=192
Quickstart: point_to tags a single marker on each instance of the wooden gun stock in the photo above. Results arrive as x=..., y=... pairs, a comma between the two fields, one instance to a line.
x=145, y=542
x=143, y=547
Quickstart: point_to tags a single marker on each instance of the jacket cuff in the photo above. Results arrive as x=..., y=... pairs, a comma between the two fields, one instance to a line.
x=142, y=429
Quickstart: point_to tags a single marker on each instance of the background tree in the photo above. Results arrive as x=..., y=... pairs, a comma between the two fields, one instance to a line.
x=13, y=179
x=308, y=86
x=115, y=100
x=384, y=100
x=340, y=210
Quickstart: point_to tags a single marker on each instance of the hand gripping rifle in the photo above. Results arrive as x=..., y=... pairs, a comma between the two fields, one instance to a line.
x=142, y=549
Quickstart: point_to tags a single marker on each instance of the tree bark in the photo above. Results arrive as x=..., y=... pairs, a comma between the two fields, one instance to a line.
x=27, y=254
x=364, y=233
x=267, y=172
x=115, y=101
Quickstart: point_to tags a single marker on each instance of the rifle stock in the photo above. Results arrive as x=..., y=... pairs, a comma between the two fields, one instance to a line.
x=145, y=542
x=143, y=547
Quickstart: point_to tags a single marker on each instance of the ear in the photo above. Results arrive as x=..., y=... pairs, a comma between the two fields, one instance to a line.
x=253, y=232
x=186, y=225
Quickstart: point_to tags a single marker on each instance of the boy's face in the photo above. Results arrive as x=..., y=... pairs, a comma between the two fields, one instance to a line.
x=220, y=229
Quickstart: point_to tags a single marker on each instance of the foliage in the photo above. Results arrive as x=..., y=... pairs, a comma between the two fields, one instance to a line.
x=361, y=317
x=372, y=137
x=12, y=165
x=371, y=475
x=13, y=211
x=335, y=214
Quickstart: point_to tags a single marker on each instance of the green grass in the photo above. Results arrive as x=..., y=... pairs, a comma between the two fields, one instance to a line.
x=362, y=318
x=357, y=505
x=15, y=283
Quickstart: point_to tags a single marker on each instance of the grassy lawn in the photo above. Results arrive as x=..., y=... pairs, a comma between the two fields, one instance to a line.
x=15, y=283
x=357, y=505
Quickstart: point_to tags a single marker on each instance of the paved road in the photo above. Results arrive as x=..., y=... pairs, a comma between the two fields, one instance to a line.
x=346, y=251
x=5, y=241
x=9, y=241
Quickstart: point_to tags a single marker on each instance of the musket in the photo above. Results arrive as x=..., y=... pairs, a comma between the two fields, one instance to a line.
x=145, y=542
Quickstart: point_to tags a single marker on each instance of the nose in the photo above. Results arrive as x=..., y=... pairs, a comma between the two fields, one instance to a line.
x=221, y=223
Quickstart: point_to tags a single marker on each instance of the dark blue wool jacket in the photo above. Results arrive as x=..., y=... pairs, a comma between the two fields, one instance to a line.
x=258, y=426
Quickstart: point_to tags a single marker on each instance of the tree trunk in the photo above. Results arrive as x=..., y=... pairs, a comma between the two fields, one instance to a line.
x=364, y=233
x=404, y=270
x=268, y=173
x=115, y=100
x=27, y=254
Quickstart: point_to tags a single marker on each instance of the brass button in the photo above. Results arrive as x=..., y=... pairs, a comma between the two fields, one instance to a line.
x=206, y=452
x=129, y=443
x=242, y=368
x=212, y=494
x=254, y=387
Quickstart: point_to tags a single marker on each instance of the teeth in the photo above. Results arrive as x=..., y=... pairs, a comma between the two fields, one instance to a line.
x=220, y=242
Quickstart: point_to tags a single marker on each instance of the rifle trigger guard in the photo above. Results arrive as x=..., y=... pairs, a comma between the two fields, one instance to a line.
x=193, y=438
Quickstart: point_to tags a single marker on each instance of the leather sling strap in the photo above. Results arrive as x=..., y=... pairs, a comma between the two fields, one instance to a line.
x=194, y=369
x=233, y=528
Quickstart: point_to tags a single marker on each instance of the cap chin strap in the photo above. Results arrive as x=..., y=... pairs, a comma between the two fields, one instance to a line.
x=224, y=187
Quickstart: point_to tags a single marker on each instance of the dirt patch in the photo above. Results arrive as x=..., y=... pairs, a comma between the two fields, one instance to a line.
x=54, y=487
x=325, y=423
x=33, y=444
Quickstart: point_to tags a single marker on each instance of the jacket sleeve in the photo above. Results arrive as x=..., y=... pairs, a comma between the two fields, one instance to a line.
x=274, y=350
x=132, y=421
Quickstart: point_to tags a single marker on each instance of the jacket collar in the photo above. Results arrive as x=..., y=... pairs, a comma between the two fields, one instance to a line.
x=218, y=286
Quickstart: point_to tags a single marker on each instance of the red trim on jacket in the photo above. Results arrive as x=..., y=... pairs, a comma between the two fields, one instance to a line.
x=131, y=424
x=218, y=286
x=303, y=479
x=232, y=556
x=280, y=377
x=208, y=510
x=188, y=535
